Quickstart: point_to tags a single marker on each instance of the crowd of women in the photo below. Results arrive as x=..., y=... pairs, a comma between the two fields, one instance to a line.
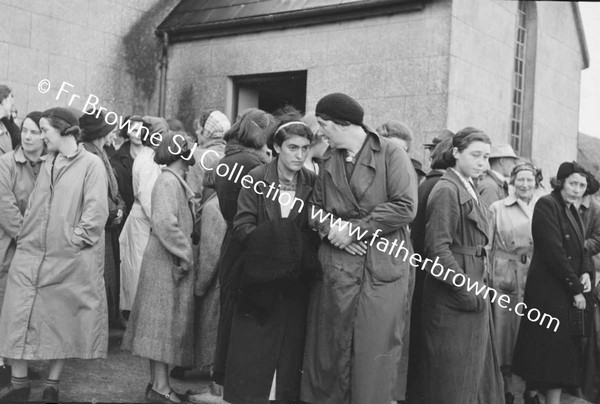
x=279, y=304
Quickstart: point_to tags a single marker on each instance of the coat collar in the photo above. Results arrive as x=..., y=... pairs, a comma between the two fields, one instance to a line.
x=478, y=212
x=574, y=223
x=303, y=189
x=463, y=195
x=188, y=192
x=360, y=180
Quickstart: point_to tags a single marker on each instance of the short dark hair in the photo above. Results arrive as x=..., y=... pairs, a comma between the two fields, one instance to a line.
x=462, y=140
x=250, y=130
x=165, y=152
x=396, y=129
x=437, y=155
x=4, y=92
x=283, y=127
x=63, y=127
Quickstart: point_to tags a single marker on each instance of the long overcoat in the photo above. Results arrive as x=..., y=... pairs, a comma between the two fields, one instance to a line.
x=459, y=363
x=55, y=302
x=17, y=180
x=161, y=324
x=543, y=353
x=262, y=343
x=242, y=159
x=356, y=312
x=512, y=248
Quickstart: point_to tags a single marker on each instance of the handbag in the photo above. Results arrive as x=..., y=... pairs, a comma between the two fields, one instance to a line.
x=579, y=322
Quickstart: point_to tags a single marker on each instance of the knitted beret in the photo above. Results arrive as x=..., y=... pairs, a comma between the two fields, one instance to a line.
x=340, y=107
x=63, y=113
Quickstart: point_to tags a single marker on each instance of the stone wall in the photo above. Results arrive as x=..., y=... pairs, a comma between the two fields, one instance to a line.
x=481, y=75
x=396, y=66
x=86, y=43
x=557, y=87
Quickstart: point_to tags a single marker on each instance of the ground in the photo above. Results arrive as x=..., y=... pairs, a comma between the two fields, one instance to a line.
x=122, y=378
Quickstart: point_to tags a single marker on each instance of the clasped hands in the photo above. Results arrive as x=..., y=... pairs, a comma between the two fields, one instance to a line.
x=339, y=236
x=579, y=300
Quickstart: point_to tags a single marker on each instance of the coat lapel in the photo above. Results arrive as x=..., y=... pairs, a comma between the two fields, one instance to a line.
x=476, y=213
x=272, y=204
x=302, y=192
x=336, y=170
x=364, y=173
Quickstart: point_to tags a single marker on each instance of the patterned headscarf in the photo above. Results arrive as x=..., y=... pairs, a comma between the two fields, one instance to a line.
x=216, y=125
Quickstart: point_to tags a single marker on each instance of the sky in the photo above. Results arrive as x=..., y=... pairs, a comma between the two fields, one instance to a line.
x=589, y=110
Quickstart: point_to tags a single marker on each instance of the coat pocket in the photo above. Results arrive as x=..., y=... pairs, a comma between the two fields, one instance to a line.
x=463, y=300
x=504, y=275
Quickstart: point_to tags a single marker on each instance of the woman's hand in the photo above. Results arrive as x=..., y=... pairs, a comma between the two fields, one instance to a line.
x=357, y=248
x=586, y=281
x=339, y=236
x=579, y=301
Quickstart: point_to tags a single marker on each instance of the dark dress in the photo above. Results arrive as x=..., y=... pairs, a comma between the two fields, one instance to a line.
x=269, y=323
x=231, y=249
x=459, y=360
x=551, y=358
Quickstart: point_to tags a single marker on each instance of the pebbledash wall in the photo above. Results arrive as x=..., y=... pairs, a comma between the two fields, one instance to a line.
x=448, y=65
x=95, y=45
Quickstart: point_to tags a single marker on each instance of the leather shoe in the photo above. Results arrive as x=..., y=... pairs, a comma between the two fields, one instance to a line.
x=155, y=397
x=50, y=395
x=9, y=393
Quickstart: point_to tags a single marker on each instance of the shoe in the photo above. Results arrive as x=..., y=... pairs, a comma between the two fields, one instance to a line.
x=4, y=375
x=509, y=398
x=148, y=388
x=8, y=393
x=531, y=400
x=50, y=395
x=155, y=397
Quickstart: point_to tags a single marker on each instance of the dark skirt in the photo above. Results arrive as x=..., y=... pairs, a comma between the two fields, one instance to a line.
x=111, y=273
x=260, y=345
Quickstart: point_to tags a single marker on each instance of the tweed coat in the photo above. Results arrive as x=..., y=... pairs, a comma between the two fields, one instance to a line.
x=542, y=355
x=212, y=231
x=491, y=189
x=459, y=362
x=17, y=180
x=55, y=302
x=161, y=323
x=512, y=248
x=356, y=312
x=5, y=141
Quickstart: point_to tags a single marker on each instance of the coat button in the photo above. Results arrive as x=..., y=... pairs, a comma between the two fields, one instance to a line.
x=78, y=231
x=569, y=258
x=358, y=281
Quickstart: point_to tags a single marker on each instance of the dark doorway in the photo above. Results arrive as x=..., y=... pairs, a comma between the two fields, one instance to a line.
x=269, y=92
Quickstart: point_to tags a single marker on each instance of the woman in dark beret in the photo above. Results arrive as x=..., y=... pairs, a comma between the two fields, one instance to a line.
x=547, y=352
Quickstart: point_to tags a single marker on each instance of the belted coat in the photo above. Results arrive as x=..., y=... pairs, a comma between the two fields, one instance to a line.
x=356, y=311
x=459, y=363
x=55, y=302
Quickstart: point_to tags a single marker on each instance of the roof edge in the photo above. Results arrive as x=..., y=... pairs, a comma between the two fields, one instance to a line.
x=269, y=22
x=581, y=34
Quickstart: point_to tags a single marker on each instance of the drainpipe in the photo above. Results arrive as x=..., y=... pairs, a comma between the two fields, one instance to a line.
x=164, y=63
